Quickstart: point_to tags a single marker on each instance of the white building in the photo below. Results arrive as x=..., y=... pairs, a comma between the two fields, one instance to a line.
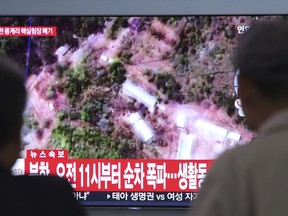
x=185, y=146
x=138, y=93
x=140, y=127
x=223, y=138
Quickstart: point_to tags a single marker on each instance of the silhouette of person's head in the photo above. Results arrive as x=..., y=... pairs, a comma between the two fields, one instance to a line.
x=262, y=57
x=13, y=99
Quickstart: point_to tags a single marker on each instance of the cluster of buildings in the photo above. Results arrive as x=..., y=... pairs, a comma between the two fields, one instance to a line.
x=220, y=137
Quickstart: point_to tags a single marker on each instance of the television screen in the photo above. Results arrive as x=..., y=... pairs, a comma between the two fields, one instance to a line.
x=130, y=91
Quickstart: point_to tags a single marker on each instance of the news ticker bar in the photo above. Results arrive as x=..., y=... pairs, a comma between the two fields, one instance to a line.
x=121, y=174
x=127, y=175
x=157, y=175
x=136, y=198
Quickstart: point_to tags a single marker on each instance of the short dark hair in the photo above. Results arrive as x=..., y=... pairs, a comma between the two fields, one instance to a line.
x=262, y=57
x=13, y=100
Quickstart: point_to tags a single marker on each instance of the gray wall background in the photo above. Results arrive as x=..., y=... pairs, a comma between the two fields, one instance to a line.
x=142, y=7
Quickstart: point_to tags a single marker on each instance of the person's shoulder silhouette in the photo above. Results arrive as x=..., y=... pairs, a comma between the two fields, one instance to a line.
x=251, y=179
x=25, y=195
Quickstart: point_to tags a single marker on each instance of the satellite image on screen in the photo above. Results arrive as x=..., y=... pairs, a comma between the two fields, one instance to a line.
x=131, y=87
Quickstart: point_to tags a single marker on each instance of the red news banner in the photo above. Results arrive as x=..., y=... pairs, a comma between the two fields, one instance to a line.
x=119, y=174
x=28, y=31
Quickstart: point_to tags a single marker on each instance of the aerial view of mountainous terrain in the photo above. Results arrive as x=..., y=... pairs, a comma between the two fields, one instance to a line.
x=131, y=87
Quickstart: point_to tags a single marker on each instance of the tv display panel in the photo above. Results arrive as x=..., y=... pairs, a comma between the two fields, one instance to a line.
x=148, y=88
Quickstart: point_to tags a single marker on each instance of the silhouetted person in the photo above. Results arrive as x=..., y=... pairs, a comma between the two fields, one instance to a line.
x=252, y=179
x=25, y=195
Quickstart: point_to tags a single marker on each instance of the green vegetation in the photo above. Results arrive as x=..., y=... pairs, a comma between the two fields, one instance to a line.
x=31, y=122
x=167, y=84
x=45, y=45
x=200, y=87
x=193, y=39
x=50, y=92
x=221, y=99
x=217, y=52
x=92, y=138
x=88, y=142
x=2, y=46
x=157, y=34
x=68, y=114
x=14, y=48
x=89, y=25
x=76, y=81
x=120, y=22
x=117, y=73
x=125, y=55
x=170, y=20
x=181, y=63
x=190, y=39
x=92, y=109
x=144, y=23
x=231, y=32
